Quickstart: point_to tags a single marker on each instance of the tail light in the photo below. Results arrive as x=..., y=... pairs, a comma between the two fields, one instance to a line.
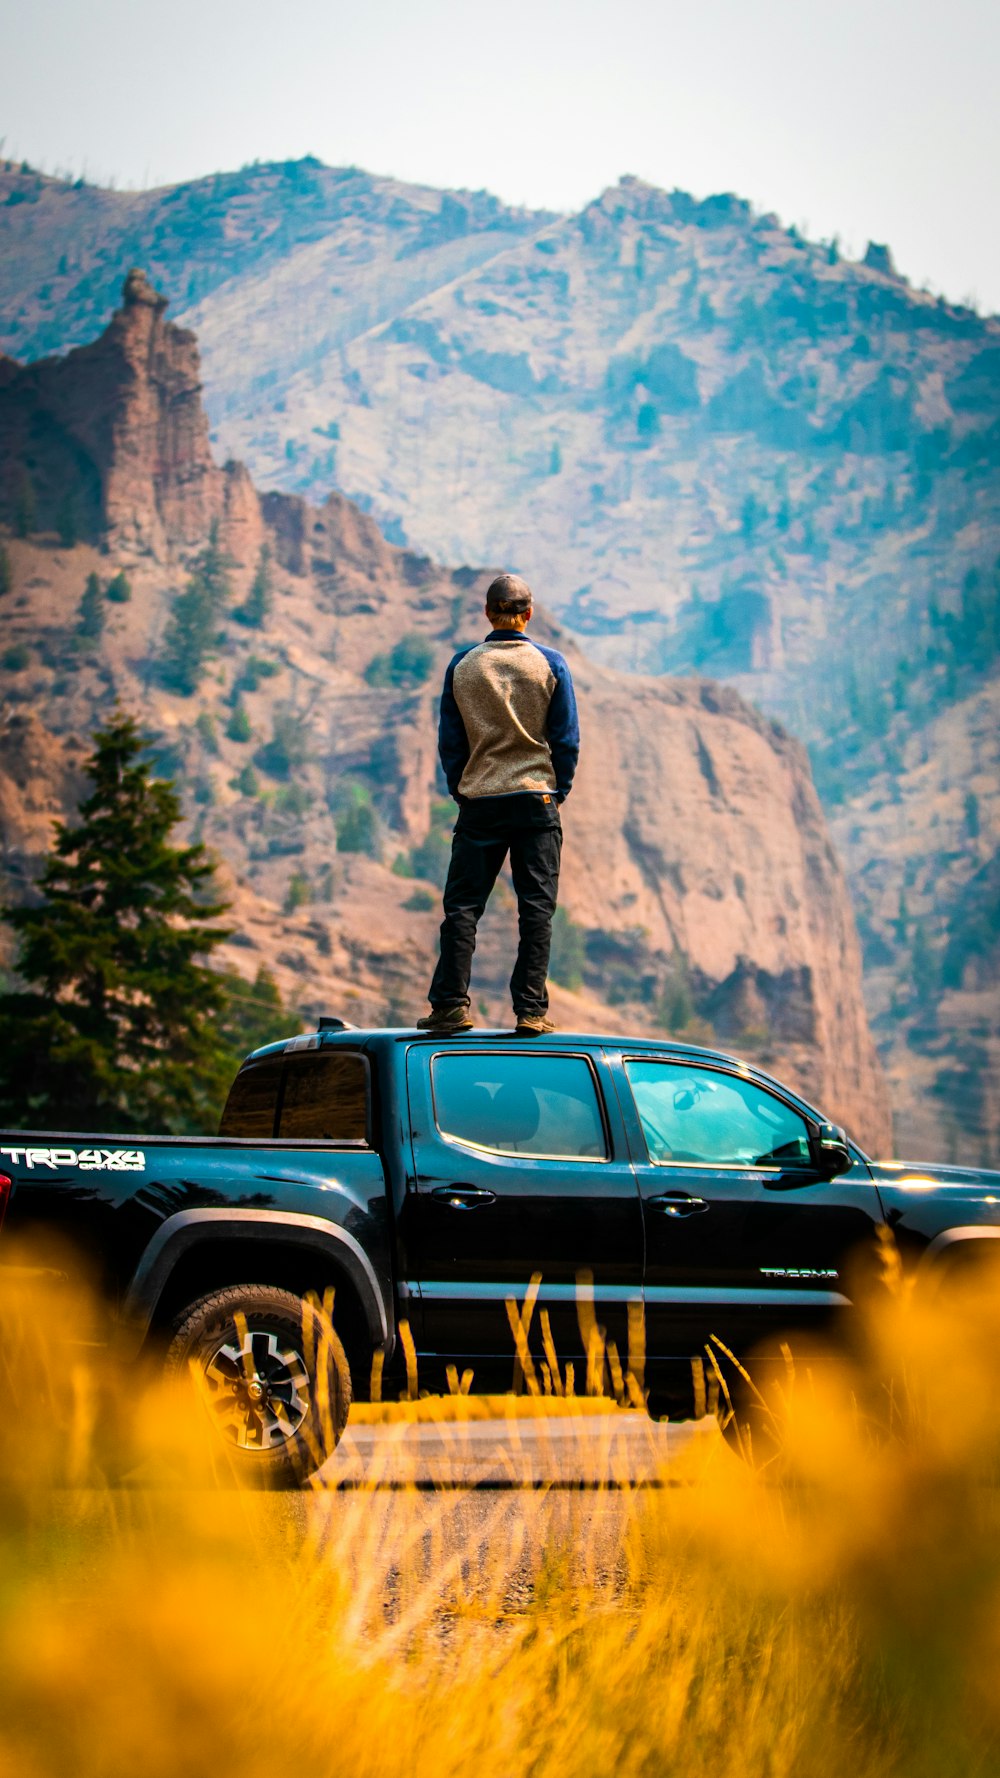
x=4, y=1195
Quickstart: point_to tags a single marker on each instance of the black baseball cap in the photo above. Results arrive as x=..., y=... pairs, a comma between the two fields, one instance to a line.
x=508, y=595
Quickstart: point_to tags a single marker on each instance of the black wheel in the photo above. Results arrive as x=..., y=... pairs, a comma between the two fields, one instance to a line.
x=273, y=1378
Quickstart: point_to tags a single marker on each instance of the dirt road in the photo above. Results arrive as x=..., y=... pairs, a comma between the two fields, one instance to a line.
x=575, y=1451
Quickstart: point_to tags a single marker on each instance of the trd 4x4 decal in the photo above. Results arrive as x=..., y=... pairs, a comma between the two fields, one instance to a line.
x=89, y=1160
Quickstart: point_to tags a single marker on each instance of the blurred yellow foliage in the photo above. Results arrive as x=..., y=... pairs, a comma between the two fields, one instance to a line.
x=837, y=1611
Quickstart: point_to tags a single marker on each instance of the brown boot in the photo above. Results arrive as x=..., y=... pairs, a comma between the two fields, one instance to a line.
x=446, y=1018
x=533, y=1024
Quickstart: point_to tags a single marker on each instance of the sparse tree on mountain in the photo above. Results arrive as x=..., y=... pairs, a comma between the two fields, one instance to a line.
x=254, y=1013
x=90, y=619
x=6, y=576
x=189, y=640
x=407, y=664
x=118, y=589
x=238, y=727
x=357, y=822
x=925, y=966
x=66, y=521
x=192, y=633
x=120, y=1025
x=25, y=517
x=569, y=950
x=299, y=892
x=289, y=746
x=214, y=568
x=256, y=607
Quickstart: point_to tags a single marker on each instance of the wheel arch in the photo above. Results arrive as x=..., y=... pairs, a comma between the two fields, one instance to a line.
x=198, y=1251
x=953, y=1246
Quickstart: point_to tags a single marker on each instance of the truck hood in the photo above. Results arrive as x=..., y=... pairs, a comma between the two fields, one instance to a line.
x=914, y=1175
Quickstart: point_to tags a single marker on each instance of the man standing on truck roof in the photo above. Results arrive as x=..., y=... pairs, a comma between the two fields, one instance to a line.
x=509, y=741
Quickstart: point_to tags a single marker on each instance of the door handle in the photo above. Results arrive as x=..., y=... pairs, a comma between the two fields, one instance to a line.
x=678, y=1204
x=463, y=1197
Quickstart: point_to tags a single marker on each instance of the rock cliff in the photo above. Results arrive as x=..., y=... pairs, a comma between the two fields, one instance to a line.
x=701, y=891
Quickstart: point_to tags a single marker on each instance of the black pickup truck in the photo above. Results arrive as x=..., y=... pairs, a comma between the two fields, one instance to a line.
x=474, y=1202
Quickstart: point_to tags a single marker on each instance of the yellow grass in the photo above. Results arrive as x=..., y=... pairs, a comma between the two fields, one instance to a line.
x=837, y=1614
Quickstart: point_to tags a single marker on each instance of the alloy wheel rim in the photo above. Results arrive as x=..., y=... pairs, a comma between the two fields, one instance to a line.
x=258, y=1389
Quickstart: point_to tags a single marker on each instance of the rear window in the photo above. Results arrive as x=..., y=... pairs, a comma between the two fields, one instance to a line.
x=312, y=1098
x=253, y=1100
x=325, y=1097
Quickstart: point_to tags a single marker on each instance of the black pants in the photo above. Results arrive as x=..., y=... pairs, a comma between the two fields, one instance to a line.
x=487, y=829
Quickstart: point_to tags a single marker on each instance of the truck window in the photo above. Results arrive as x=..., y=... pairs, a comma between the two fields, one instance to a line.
x=710, y=1119
x=325, y=1098
x=253, y=1100
x=543, y=1106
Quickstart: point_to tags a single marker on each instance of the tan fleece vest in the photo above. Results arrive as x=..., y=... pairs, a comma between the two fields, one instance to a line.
x=503, y=691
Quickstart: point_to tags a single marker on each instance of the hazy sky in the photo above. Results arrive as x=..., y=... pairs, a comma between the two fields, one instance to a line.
x=865, y=118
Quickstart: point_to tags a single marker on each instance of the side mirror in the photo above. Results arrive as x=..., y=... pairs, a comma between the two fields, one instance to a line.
x=830, y=1153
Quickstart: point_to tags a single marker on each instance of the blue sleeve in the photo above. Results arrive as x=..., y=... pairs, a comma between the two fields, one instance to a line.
x=453, y=742
x=563, y=727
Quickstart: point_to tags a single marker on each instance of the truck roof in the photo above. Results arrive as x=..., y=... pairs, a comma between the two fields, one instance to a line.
x=375, y=1037
x=351, y=1036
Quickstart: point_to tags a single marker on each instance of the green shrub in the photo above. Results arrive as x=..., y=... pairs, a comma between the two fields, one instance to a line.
x=294, y=800
x=407, y=664
x=246, y=782
x=238, y=727
x=17, y=658
x=299, y=892
x=118, y=589
x=430, y=859
x=357, y=824
x=569, y=951
x=206, y=730
x=420, y=902
x=288, y=747
x=676, y=1008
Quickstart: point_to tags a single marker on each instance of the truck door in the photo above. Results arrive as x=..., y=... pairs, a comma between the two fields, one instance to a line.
x=520, y=1166
x=744, y=1239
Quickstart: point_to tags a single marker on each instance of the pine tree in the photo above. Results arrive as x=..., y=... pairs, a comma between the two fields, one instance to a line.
x=66, y=525
x=6, y=577
x=238, y=727
x=257, y=605
x=90, y=621
x=192, y=632
x=925, y=968
x=214, y=566
x=255, y=1014
x=24, y=508
x=118, y=1028
x=118, y=589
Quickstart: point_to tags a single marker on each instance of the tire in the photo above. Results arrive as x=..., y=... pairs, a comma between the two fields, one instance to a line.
x=751, y=1431
x=272, y=1377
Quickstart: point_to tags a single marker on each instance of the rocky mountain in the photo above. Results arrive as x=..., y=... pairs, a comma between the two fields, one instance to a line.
x=285, y=659
x=716, y=446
